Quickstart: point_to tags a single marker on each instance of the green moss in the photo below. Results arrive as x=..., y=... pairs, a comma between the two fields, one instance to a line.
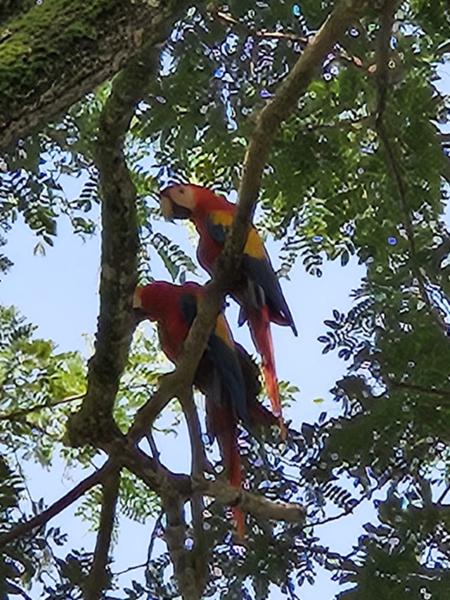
x=46, y=42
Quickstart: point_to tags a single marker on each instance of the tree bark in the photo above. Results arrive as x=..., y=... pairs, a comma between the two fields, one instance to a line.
x=56, y=52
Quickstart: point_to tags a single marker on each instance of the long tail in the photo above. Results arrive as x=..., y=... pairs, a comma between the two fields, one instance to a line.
x=234, y=467
x=221, y=425
x=259, y=322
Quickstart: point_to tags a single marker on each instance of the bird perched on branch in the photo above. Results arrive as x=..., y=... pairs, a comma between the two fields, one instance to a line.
x=257, y=290
x=226, y=374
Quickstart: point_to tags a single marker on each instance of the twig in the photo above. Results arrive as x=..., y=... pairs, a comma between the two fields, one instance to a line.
x=16, y=590
x=227, y=18
x=288, y=36
x=444, y=493
x=97, y=580
x=153, y=448
x=79, y=490
x=344, y=513
x=18, y=414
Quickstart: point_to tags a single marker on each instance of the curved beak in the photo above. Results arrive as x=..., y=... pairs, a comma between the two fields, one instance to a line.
x=170, y=208
x=138, y=311
x=166, y=206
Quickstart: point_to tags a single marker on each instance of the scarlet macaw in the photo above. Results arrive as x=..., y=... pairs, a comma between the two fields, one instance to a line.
x=225, y=375
x=258, y=291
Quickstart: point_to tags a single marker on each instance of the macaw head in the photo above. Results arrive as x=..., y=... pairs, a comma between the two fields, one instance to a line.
x=151, y=301
x=187, y=200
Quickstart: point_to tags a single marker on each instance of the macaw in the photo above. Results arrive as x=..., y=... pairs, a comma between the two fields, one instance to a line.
x=226, y=374
x=258, y=291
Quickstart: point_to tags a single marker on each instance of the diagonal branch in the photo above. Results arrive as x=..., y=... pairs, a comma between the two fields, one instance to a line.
x=23, y=412
x=268, y=123
x=98, y=576
x=54, y=509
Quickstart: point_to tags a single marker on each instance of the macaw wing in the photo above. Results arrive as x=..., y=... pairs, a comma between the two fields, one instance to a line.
x=217, y=230
x=225, y=360
x=262, y=279
x=189, y=307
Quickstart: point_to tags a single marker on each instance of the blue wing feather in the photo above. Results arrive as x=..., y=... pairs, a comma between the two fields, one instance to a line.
x=261, y=274
x=217, y=231
x=227, y=365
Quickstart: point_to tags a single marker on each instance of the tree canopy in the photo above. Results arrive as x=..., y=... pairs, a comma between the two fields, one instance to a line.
x=330, y=122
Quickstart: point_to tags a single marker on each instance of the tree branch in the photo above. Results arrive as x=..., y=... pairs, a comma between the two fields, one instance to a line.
x=199, y=552
x=267, y=125
x=258, y=506
x=288, y=36
x=98, y=576
x=119, y=250
x=23, y=412
x=38, y=74
x=54, y=509
x=175, y=536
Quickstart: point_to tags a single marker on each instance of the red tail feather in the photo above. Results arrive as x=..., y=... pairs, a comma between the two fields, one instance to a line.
x=259, y=322
x=230, y=452
x=235, y=476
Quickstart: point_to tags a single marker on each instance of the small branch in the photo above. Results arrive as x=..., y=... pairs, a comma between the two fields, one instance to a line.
x=258, y=506
x=199, y=461
x=15, y=590
x=98, y=576
x=287, y=36
x=227, y=18
x=344, y=513
x=23, y=412
x=199, y=550
x=79, y=490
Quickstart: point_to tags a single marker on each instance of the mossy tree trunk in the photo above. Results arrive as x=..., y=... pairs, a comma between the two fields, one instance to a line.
x=56, y=52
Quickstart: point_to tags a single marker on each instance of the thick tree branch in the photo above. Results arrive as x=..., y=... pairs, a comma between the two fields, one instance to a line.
x=119, y=250
x=175, y=536
x=98, y=576
x=39, y=76
x=79, y=490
